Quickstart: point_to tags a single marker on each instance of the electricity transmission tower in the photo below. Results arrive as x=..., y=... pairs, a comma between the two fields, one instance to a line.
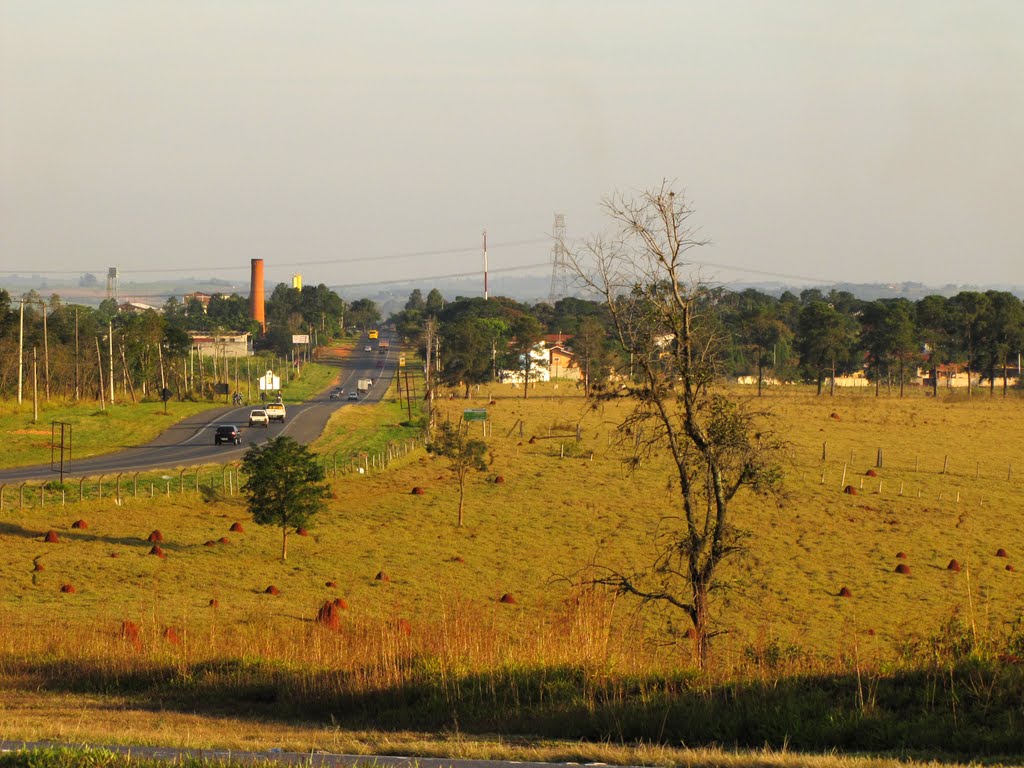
x=559, y=262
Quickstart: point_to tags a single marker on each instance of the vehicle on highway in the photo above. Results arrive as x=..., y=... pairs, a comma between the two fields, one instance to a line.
x=367, y=349
x=353, y=396
x=275, y=411
x=227, y=433
x=258, y=416
x=336, y=394
x=363, y=386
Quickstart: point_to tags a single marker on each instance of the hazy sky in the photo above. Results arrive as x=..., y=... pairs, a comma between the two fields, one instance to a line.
x=840, y=140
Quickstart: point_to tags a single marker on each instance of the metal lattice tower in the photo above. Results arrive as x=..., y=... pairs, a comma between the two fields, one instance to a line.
x=559, y=262
x=113, y=276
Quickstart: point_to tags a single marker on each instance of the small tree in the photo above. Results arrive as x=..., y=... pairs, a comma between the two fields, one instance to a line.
x=462, y=453
x=283, y=485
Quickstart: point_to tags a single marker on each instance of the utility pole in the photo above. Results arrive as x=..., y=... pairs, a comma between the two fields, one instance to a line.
x=46, y=354
x=77, y=355
x=110, y=341
x=485, y=265
x=35, y=387
x=21, y=346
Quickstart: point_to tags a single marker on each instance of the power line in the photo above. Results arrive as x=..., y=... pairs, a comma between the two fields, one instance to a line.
x=309, y=262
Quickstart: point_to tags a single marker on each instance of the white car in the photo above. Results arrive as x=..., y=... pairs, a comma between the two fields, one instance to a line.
x=367, y=349
x=259, y=417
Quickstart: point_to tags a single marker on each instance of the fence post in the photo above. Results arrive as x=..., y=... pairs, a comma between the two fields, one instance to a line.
x=99, y=484
x=2, y=486
x=118, y=484
x=21, y=496
x=824, y=446
x=945, y=463
x=81, y=488
x=135, y=484
x=197, y=480
x=181, y=482
x=878, y=462
x=42, y=494
x=842, y=483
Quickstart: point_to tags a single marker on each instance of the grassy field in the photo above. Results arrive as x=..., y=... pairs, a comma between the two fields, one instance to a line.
x=907, y=661
x=96, y=431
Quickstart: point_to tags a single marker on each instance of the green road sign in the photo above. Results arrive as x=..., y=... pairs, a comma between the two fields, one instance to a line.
x=475, y=414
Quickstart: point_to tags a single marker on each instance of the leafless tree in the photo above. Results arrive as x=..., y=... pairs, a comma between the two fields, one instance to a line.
x=665, y=322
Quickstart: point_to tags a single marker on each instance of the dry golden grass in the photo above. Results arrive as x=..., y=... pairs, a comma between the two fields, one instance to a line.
x=531, y=537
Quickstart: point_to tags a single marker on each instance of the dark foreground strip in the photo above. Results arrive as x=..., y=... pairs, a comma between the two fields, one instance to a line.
x=64, y=755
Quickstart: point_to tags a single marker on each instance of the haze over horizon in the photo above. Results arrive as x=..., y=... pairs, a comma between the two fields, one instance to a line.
x=867, y=142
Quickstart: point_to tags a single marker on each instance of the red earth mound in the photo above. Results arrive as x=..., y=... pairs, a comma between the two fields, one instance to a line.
x=1001, y=552
x=871, y=632
x=301, y=532
x=51, y=537
x=532, y=440
x=871, y=473
x=381, y=576
x=499, y=479
x=171, y=636
x=418, y=491
x=458, y=559
x=329, y=615
x=507, y=599
x=214, y=603
x=903, y=568
x=901, y=555
x=850, y=490
x=1009, y=567
x=834, y=416
x=210, y=543
x=130, y=632
x=68, y=589
x=223, y=540
x=155, y=536
x=80, y=525
x=236, y=528
x=330, y=584
x=953, y=566
x=37, y=566
x=845, y=592
x=156, y=550
x=403, y=627
x=271, y=590
x=340, y=603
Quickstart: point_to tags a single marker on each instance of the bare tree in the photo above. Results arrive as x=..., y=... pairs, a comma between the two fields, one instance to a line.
x=666, y=324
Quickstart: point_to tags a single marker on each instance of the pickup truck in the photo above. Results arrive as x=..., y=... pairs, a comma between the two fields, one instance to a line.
x=275, y=411
x=363, y=385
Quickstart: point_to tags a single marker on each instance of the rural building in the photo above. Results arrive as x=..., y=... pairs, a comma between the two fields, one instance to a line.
x=562, y=364
x=540, y=361
x=222, y=345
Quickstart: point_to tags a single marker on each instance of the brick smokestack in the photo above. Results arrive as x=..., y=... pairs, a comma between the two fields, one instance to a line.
x=256, y=294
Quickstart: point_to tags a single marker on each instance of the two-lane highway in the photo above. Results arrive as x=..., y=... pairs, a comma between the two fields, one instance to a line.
x=190, y=442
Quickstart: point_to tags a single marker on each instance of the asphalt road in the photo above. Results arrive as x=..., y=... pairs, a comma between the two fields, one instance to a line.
x=190, y=442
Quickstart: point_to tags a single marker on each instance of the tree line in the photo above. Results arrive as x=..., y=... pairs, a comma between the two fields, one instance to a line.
x=814, y=336
x=80, y=352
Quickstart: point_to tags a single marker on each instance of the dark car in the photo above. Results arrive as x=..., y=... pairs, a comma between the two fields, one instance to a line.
x=227, y=433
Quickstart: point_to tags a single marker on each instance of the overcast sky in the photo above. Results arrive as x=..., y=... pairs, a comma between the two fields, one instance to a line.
x=839, y=140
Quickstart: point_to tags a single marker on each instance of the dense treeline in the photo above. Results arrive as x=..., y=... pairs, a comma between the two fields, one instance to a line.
x=813, y=337
x=78, y=349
